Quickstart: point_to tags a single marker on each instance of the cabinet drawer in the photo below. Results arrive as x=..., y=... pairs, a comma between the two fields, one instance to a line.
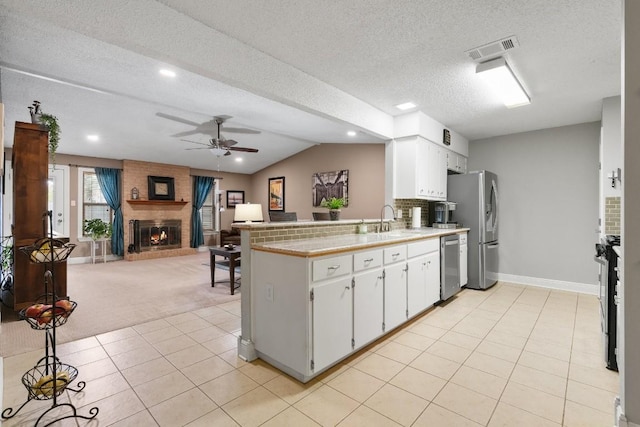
x=423, y=247
x=395, y=254
x=328, y=268
x=366, y=260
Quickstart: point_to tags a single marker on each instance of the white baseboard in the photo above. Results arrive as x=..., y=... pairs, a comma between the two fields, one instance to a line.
x=561, y=285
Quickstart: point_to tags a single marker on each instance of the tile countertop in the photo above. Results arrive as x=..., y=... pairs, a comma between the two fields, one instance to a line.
x=349, y=242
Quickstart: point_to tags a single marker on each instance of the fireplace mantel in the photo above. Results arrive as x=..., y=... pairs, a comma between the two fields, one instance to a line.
x=157, y=202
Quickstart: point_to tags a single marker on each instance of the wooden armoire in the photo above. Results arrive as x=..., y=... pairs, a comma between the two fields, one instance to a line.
x=30, y=161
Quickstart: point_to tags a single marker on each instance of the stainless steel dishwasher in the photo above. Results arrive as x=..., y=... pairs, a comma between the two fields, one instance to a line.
x=449, y=266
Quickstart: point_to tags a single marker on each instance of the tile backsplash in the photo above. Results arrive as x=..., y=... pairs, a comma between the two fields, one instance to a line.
x=612, y=215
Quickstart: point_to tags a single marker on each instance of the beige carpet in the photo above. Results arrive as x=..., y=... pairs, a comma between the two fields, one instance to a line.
x=119, y=294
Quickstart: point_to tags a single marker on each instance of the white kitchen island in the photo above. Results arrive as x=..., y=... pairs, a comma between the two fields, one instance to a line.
x=316, y=301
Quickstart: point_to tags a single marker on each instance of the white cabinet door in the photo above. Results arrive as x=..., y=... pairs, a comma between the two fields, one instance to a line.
x=368, y=298
x=416, y=285
x=456, y=162
x=432, y=266
x=395, y=295
x=437, y=172
x=464, y=278
x=331, y=322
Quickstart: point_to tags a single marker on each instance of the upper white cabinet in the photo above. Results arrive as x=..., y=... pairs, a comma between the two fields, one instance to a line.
x=419, y=169
x=456, y=162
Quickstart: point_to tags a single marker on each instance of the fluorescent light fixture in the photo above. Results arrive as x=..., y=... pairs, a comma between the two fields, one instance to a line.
x=501, y=78
x=93, y=138
x=406, y=106
x=352, y=133
x=248, y=212
x=167, y=73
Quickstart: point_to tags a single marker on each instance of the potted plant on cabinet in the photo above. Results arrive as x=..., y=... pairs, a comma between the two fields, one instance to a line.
x=97, y=228
x=51, y=122
x=334, y=204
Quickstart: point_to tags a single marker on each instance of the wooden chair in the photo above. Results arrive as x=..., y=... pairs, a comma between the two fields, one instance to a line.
x=282, y=216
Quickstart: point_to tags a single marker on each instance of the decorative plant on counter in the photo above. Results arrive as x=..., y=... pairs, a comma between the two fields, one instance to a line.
x=97, y=228
x=334, y=204
x=50, y=121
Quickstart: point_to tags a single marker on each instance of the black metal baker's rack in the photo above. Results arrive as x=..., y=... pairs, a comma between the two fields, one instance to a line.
x=49, y=378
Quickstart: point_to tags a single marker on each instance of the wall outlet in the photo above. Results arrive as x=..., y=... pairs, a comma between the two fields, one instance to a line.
x=399, y=213
x=410, y=213
x=270, y=293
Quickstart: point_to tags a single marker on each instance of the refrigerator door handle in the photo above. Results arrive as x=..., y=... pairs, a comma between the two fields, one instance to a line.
x=493, y=245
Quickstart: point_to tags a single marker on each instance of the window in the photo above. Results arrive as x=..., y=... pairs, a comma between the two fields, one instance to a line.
x=93, y=203
x=211, y=208
x=207, y=212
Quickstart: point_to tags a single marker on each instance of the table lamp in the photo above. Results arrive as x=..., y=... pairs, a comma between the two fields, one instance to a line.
x=248, y=213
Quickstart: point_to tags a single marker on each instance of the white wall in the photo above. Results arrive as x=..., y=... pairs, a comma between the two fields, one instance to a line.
x=612, y=144
x=548, y=203
x=630, y=316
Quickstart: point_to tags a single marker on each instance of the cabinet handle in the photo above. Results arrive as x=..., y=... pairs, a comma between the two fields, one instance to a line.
x=334, y=267
x=368, y=260
x=397, y=254
x=347, y=288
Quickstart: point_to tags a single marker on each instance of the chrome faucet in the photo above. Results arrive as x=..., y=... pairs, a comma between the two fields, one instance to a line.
x=381, y=227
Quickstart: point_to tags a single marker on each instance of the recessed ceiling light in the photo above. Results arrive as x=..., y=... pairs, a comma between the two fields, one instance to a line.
x=167, y=73
x=238, y=159
x=352, y=133
x=93, y=138
x=406, y=106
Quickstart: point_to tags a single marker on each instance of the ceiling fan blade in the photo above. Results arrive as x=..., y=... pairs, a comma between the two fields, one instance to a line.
x=227, y=142
x=199, y=148
x=177, y=119
x=186, y=133
x=239, y=130
x=246, y=150
x=196, y=142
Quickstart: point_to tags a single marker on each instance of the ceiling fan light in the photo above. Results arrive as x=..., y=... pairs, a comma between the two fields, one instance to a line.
x=219, y=152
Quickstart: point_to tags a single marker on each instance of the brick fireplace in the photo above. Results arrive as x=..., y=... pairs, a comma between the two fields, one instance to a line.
x=135, y=174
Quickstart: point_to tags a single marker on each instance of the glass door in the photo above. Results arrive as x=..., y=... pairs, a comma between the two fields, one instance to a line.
x=58, y=198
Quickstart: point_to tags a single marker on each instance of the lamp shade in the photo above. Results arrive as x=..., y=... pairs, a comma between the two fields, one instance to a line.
x=502, y=80
x=248, y=212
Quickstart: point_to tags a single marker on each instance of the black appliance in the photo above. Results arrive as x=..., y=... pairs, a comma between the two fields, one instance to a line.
x=608, y=260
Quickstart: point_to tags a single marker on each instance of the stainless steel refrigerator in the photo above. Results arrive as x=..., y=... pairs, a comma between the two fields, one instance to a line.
x=476, y=194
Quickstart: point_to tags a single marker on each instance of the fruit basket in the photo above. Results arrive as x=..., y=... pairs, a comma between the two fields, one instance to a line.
x=45, y=316
x=43, y=383
x=48, y=250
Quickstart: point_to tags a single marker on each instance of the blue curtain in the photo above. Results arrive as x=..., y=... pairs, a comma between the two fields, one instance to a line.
x=201, y=187
x=109, y=181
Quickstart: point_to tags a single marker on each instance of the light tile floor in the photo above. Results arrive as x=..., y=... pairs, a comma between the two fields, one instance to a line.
x=509, y=356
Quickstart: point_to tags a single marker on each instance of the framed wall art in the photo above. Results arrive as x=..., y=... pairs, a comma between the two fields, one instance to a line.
x=161, y=188
x=326, y=185
x=234, y=198
x=276, y=194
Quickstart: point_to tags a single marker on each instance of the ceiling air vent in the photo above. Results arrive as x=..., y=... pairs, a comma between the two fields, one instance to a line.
x=493, y=49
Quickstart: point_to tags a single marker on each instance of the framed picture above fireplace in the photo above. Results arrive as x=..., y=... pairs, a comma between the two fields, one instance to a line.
x=161, y=188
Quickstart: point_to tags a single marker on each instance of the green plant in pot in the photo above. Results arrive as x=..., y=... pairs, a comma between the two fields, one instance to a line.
x=51, y=122
x=97, y=228
x=334, y=204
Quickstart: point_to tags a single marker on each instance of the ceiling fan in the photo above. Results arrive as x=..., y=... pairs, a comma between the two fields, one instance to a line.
x=219, y=145
x=210, y=127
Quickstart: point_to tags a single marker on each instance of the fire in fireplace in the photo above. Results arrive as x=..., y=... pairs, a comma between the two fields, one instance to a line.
x=152, y=235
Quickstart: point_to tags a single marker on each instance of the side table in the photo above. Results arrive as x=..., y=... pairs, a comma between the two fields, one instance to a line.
x=103, y=249
x=233, y=257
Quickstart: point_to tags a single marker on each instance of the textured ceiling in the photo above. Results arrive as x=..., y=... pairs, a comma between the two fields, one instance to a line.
x=302, y=72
